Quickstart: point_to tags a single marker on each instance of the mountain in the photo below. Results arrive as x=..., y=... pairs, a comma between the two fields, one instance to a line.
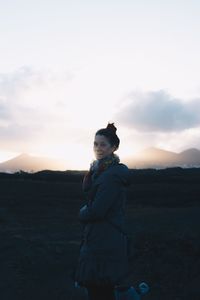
x=190, y=157
x=147, y=158
x=159, y=158
x=30, y=163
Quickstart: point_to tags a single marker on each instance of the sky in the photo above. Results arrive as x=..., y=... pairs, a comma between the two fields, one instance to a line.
x=67, y=68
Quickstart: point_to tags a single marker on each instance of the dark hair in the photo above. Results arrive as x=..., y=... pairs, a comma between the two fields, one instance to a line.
x=110, y=133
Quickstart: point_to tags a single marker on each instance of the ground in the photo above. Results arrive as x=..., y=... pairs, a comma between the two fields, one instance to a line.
x=40, y=234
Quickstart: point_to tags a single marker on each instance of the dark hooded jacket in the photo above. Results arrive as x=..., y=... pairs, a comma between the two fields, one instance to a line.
x=103, y=252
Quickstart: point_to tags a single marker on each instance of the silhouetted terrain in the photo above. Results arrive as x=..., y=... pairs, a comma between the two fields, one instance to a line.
x=40, y=233
x=148, y=158
x=29, y=163
x=159, y=158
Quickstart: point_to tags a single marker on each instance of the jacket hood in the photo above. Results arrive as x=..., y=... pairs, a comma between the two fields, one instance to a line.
x=122, y=172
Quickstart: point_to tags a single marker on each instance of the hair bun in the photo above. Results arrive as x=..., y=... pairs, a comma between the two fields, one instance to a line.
x=111, y=128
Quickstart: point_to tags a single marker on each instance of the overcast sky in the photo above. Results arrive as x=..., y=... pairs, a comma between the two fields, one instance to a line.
x=69, y=67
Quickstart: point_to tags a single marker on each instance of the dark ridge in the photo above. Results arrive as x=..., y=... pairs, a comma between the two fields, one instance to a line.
x=173, y=175
x=46, y=175
x=176, y=174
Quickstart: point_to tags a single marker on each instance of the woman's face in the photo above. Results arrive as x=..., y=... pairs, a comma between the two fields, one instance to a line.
x=102, y=147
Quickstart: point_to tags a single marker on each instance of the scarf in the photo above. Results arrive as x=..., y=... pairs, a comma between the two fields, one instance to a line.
x=97, y=167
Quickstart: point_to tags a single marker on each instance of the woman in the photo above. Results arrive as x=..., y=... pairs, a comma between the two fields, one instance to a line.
x=103, y=260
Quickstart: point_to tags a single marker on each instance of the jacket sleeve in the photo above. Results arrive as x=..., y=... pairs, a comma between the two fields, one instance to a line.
x=106, y=194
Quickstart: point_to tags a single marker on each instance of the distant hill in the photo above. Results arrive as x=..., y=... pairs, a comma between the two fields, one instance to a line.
x=159, y=158
x=190, y=157
x=148, y=158
x=28, y=163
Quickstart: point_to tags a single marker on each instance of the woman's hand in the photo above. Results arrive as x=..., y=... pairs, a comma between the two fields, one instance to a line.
x=83, y=208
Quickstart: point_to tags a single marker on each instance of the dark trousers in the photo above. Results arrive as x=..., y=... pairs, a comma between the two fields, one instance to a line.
x=105, y=292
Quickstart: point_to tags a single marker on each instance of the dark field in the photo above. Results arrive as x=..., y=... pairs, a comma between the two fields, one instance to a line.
x=40, y=233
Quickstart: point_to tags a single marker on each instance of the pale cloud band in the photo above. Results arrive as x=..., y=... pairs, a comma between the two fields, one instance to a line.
x=34, y=110
x=158, y=111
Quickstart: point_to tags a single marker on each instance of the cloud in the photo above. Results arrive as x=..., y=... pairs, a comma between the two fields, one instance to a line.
x=31, y=106
x=4, y=112
x=172, y=141
x=158, y=111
